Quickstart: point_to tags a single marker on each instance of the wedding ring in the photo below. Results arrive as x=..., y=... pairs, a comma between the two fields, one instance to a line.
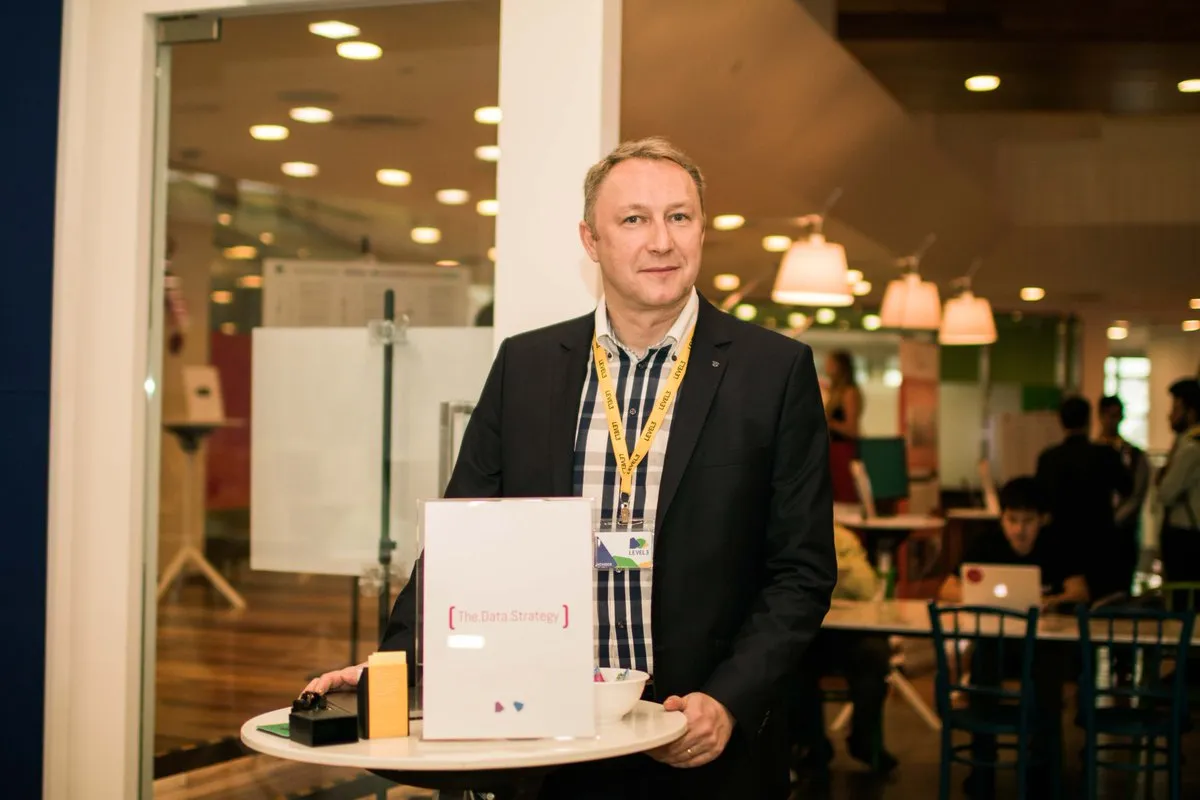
x=689, y=752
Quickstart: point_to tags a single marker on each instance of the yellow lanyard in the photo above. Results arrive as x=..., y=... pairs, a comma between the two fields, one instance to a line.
x=627, y=463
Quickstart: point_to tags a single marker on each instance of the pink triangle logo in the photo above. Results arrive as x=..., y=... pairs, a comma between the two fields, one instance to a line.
x=499, y=707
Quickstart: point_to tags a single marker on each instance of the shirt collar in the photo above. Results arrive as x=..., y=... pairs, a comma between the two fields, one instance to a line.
x=679, y=329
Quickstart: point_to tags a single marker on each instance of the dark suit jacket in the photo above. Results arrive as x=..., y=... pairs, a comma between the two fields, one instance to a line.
x=744, y=561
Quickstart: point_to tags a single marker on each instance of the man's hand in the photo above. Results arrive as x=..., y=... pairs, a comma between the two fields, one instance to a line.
x=708, y=731
x=338, y=679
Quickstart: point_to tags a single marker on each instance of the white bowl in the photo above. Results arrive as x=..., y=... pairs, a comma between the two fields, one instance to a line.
x=615, y=699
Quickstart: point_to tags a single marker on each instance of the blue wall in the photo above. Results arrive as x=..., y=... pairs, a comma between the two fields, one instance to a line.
x=29, y=62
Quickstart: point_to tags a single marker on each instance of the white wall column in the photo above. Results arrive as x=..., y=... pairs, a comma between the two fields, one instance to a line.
x=1092, y=341
x=560, y=93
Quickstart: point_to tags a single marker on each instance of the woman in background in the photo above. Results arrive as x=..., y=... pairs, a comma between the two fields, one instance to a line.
x=844, y=407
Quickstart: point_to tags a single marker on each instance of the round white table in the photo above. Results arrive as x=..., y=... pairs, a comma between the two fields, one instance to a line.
x=413, y=760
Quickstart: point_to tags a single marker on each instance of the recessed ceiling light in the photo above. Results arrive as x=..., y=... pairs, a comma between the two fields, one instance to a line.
x=488, y=115
x=853, y=276
x=728, y=222
x=266, y=237
x=269, y=133
x=1117, y=332
x=825, y=316
x=241, y=252
x=776, y=244
x=982, y=83
x=359, y=51
x=1031, y=294
x=872, y=322
x=1190, y=86
x=861, y=288
x=488, y=208
x=333, y=29
x=1194, y=303
x=447, y=262
x=426, y=235
x=311, y=114
x=491, y=254
x=300, y=169
x=745, y=312
x=797, y=319
x=488, y=152
x=1191, y=325
x=224, y=218
x=228, y=328
x=726, y=282
x=393, y=177
x=250, y=282
x=222, y=297
x=453, y=197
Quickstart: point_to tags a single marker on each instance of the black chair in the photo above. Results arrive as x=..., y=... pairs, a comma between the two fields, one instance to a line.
x=1143, y=710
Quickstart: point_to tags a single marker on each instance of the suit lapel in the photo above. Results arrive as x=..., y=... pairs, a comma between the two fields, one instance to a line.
x=568, y=375
x=705, y=370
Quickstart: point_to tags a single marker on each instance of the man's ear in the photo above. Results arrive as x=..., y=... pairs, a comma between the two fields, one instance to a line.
x=588, y=238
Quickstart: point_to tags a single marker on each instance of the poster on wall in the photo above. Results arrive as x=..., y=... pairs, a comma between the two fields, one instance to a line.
x=919, y=365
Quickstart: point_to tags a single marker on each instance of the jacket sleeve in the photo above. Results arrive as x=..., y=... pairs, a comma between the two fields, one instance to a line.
x=477, y=473
x=800, y=568
x=1179, y=474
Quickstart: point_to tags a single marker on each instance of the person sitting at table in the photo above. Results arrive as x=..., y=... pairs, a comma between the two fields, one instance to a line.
x=1024, y=540
x=864, y=659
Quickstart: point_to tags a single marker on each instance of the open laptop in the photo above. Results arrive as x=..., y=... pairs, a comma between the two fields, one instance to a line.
x=1017, y=588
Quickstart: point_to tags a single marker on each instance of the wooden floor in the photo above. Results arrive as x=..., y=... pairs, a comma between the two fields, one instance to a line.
x=217, y=668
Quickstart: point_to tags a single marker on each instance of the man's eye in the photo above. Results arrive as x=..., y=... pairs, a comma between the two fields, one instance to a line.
x=631, y=219
x=680, y=217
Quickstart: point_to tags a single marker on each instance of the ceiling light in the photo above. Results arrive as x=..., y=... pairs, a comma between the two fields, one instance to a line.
x=982, y=83
x=222, y=297
x=359, y=51
x=745, y=312
x=1191, y=325
x=1190, y=86
x=726, y=282
x=250, y=282
x=967, y=319
x=300, y=169
x=911, y=304
x=491, y=254
x=241, y=252
x=728, y=222
x=453, y=197
x=776, y=244
x=228, y=328
x=1117, y=332
x=1194, y=303
x=488, y=115
x=812, y=272
x=797, y=319
x=266, y=237
x=1031, y=294
x=426, y=235
x=826, y=316
x=488, y=208
x=488, y=152
x=332, y=29
x=447, y=262
x=872, y=322
x=269, y=133
x=853, y=276
x=393, y=177
x=311, y=114
x=861, y=289
x=224, y=218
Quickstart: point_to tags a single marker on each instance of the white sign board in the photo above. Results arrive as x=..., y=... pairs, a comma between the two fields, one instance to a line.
x=336, y=294
x=508, y=616
x=316, y=440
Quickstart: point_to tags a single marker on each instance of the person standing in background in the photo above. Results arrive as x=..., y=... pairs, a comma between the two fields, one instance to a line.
x=1179, y=486
x=844, y=406
x=1081, y=479
x=1128, y=512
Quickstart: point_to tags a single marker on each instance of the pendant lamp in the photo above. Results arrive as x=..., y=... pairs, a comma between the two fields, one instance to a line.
x=813, y=273
x=911, y=304
x=967, y=319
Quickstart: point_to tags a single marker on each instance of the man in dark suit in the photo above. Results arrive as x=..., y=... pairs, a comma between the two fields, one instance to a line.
x=1083, y=482
x=724, y=459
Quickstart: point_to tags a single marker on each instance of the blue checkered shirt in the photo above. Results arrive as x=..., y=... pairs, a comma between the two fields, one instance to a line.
x=622, y=634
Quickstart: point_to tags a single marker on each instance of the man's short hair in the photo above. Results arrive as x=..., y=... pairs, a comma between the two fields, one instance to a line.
x=1187, y=391
x=1024, y=494
x=1111, y=401
x=653, y=148
x=1075, y=413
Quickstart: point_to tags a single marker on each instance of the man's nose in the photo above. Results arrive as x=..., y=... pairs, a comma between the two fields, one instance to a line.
x=660, y=238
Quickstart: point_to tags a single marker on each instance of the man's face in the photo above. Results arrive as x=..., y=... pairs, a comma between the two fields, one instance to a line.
x=1110, y=421
x=1021, y=528
x=648, y=233
x=1178, y=416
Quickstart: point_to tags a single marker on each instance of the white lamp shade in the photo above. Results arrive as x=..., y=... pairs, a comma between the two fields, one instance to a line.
x=967, y=319
x=813, y=273
x=912, y=304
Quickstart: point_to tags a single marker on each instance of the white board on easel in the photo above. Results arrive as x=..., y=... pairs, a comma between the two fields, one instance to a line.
x=316, y=440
